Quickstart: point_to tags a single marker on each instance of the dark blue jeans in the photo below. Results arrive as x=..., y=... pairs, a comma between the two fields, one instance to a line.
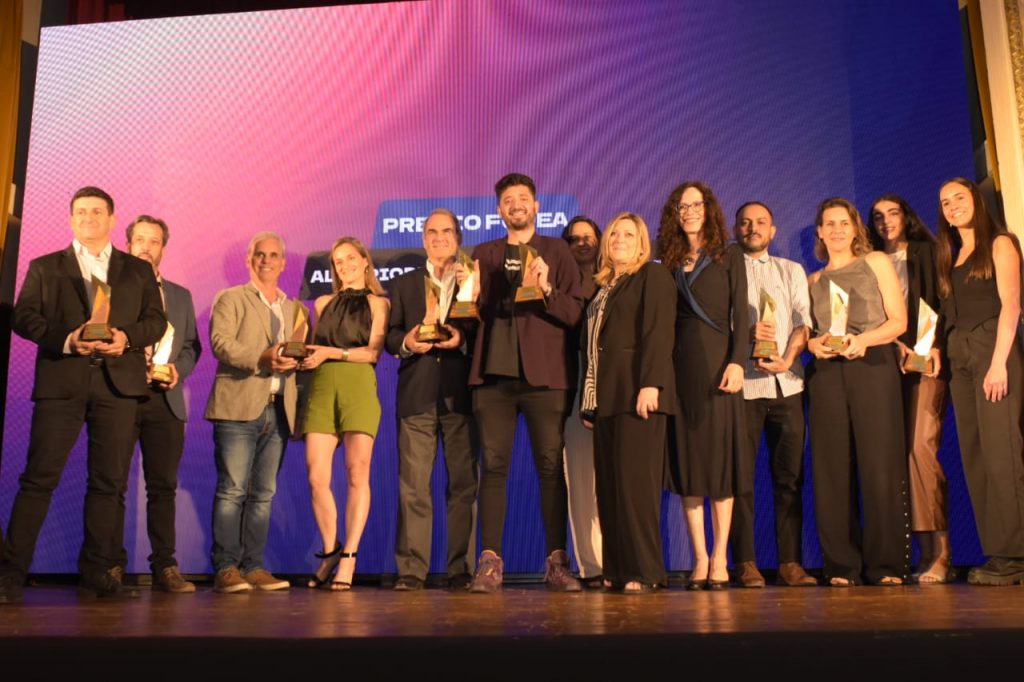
x=248, y=456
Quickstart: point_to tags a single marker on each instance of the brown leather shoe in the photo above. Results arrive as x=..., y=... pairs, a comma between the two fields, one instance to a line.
x=750, y=576
x=792, y=574
x=171, y=580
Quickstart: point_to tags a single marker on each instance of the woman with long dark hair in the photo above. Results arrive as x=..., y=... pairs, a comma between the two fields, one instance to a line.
x=979, y=281
x=855, y=414
x=584, y=239
x=709, y=355
x=900, y=233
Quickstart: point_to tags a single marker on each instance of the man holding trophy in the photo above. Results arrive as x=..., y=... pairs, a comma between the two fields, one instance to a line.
x=160, y=422
x=529, y=298
x=433, y=401
x=773, y=387
x=95, y=379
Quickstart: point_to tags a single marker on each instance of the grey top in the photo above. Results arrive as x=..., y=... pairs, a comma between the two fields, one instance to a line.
x=857, y=279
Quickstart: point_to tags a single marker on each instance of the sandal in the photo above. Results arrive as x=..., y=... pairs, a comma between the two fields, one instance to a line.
x=342, y=585
x=328, y=565
x=939, y=572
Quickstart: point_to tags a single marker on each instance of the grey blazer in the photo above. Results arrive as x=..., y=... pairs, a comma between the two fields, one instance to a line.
x=185, y=349
x=239, y=333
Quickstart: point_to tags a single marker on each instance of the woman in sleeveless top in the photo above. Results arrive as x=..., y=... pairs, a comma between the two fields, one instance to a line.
x=979, y=281
x=343, y=404
x=584, y=238
x=911, y=247
x=708, y=356
x=855, y=415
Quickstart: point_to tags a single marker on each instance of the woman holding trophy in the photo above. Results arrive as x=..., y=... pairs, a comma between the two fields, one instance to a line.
x=979, y=266
x=343, y=405
x=855, y=415
x=627, y=396
x=911, y=247
x=709, y=354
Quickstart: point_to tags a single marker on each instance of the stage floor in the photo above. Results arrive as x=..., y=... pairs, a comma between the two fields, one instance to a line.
x=891, y=631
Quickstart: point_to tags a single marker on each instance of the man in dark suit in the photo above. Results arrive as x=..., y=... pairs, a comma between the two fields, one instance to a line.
x=433, y=400
x=160, y=422
x=78, y=382
x=519, y=366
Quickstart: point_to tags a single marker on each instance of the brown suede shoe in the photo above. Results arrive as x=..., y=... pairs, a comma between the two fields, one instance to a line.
x=170, y=580
x=792, y=574
x=750, y=576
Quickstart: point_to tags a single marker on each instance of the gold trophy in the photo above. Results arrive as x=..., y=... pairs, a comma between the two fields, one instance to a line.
x=97, y=328
x=766, y=349
x=431, y=330
x=464, y=306
x=529, y=291
x=160, y=371
x=295, y=346
x=918, y=360
x=840, y=313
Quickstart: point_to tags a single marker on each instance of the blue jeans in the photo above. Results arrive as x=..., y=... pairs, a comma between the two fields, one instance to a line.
x=248, y=456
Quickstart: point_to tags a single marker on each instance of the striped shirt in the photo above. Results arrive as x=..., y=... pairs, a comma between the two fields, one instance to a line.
x=786, y=282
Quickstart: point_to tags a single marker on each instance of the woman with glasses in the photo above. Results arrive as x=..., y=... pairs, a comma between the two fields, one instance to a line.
x=584, y=239
x=979, y=266
x=854, y=408
x=709, y=357
x=899, y=232
x=627, y=397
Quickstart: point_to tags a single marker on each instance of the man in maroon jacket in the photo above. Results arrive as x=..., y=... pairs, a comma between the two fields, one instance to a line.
x=519, y=366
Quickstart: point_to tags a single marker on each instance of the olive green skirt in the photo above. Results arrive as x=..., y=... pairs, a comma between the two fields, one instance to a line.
x=343, y=397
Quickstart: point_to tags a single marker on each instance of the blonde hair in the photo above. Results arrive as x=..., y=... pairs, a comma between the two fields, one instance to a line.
x=369, y=277
x=605, y=269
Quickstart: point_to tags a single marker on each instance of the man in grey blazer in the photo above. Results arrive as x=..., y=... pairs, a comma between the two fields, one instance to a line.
x=252, y=407
x=160, y=419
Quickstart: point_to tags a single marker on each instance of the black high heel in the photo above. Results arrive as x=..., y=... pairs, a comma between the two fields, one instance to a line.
x=341, y=585
x=330, y=561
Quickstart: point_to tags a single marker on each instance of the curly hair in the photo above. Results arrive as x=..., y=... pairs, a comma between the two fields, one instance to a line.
x=861, y=242
x=672, y=245
x=913, y=228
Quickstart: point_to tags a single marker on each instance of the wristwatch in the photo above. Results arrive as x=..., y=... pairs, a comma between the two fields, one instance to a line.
x=344, y=355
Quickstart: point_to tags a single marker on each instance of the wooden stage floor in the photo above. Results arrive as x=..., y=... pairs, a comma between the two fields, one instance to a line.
x=887, y=632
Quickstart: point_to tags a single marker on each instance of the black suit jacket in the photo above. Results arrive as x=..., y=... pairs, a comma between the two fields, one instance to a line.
x=424, y=379
x=543, y=331
x=186, y=348
x=635, y=342
x=53, y=302
x=922, y=283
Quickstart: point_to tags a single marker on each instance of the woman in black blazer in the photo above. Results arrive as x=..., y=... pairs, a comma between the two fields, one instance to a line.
x=628, y=395
x=900, y=233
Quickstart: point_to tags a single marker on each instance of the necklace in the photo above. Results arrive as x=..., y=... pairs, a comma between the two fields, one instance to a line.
x=692, y=258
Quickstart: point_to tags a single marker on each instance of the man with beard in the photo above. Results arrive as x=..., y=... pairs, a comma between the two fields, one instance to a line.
x=520, y=366
x=772, y=392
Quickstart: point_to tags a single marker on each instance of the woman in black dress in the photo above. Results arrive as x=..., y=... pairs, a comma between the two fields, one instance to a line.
x=628, y=395
x=979, y=280
x=712, y=302
x=911, y=247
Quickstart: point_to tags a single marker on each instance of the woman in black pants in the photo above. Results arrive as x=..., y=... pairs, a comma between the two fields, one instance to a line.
x=979, y=281
x=853, y=393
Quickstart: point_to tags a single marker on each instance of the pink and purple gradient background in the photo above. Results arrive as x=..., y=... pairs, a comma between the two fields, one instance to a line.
x=305, y=121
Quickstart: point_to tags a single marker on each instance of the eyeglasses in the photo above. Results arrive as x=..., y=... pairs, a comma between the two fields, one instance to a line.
x=696, y=206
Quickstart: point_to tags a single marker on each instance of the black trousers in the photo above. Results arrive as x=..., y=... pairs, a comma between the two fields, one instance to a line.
x=56, y=425
x=991, y=445
x=161, y=437
x=856, y=426
x=781, y=420
x=629, y=467
x=495, y=407
x=418, y=437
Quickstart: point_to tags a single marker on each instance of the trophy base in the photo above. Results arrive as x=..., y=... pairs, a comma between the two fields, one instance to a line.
x=97, y=331
x=464, y=310
x=529, y=295
x=160, y=374
x=765, y=350
x=294, y=349
x=918, y=363
x=836, y=344
x=432, y=333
